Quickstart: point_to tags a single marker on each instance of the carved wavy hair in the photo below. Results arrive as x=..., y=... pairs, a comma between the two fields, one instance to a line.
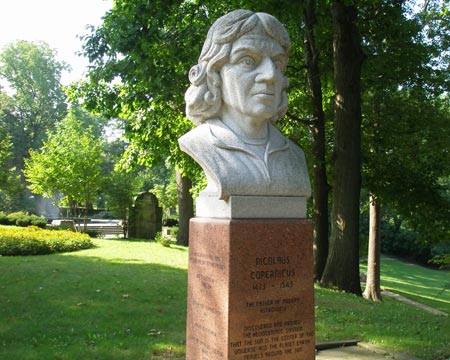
x=204, y=96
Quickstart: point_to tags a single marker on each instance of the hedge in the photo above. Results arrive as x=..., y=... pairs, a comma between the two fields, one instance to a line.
x=22, y=219
x=33, y=240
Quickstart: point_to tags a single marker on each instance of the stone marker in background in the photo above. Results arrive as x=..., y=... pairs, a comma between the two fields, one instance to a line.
x=250, y=277
x=145, y=218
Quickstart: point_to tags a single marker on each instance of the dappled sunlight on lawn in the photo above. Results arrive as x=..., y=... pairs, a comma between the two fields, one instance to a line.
x=139, y=252
x=105, y=303
x=425, y=285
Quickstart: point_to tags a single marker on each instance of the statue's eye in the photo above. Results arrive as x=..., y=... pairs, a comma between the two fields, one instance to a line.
x=247, y=61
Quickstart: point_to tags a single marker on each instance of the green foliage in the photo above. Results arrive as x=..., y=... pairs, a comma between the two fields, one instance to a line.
x=174, y=231
x=406, y=114
x=5, y=154
x=442, y=261
x=160, y=180
x=398, y=241
x=68, y=163
x=22, y=219
x=141, y=56
x=399, y=238
x=407, y=244
x=92, y=233
x=164, y=240
x=32, y=240
x=120, y=189
x=9, y=177
x=37, y=101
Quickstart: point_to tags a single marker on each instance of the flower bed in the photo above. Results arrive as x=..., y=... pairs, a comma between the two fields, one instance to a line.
x=32, y=240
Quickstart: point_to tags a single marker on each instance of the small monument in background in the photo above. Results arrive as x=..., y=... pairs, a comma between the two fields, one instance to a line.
x=250, y=277
x=145, y=218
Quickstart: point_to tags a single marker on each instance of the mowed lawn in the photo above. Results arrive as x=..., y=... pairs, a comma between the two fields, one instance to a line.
x=127, y=300
x=421, y=284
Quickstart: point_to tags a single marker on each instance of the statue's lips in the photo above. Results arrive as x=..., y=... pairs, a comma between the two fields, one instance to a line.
x=264, y=95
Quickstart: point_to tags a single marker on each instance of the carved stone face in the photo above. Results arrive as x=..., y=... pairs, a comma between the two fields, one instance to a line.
x=252, y=81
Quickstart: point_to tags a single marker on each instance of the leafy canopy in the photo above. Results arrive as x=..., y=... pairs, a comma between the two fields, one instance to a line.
x=68, y=162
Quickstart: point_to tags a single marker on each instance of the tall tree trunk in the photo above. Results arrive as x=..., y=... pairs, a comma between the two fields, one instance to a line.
x=342, y=267
x=320, y=182
x=373, y=290
x=185, y=208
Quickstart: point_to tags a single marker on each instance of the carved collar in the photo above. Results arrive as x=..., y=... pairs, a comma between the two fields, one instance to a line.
x=223, y=137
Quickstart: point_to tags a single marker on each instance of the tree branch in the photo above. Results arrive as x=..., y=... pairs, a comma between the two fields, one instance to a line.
x=305, y=122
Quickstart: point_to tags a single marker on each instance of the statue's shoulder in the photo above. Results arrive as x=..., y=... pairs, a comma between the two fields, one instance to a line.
x=200, y=134
x=196, y=135
x=198, y=140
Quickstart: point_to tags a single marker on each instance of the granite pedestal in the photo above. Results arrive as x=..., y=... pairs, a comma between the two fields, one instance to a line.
x=250, y=290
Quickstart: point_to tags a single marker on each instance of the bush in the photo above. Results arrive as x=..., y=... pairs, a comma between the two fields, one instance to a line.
x=93, y=233
x=3, y=219
x=163, y=240
x=22, y=219
x=33, y=240
x=408, y=244
x=174, y=231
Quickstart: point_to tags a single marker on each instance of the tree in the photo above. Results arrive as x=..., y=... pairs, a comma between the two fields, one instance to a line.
x=9, y=177
x=342, y=266
x=405, y=114
x=33, y=76
x=185, y=204
x=155, y=55
x=320, y=182
x=373, y=287
x=150, y=46
x=68, y=163
x=5, y=153
x=120, y=189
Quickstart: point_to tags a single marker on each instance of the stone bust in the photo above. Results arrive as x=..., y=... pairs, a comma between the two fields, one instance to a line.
x=238, y=90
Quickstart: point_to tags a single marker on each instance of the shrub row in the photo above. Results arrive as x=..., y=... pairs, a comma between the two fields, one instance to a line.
x=22, y=219
x=36, y=241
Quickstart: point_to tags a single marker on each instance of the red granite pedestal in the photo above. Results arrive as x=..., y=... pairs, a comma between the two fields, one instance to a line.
x=250, y=290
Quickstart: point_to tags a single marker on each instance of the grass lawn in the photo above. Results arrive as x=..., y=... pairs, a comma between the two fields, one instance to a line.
x=127, y=300
x=427, y=286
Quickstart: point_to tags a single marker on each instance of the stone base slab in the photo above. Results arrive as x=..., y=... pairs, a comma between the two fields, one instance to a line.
x=251, y=207
x=250, y=290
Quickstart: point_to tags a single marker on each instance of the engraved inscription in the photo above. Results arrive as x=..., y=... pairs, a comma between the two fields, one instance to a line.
x=272, y=339
x=207, y=260
x=271, y=268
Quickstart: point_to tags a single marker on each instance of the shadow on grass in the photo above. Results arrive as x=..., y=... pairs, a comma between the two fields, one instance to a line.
x=425, y=285
x=77, y=307
x=390, y=324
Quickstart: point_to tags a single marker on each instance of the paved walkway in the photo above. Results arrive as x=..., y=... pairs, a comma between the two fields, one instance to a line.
x=414, y=303
x=362, y=351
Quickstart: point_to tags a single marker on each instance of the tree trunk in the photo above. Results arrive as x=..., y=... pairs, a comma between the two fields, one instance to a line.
x=320, y=182
x=185, y=208
x=342, y=267
x=373, y=290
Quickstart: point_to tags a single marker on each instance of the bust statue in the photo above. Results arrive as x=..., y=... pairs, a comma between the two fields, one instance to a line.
x=238, y=90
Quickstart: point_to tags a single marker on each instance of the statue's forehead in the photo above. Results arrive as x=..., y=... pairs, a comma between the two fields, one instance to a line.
x=257, y=43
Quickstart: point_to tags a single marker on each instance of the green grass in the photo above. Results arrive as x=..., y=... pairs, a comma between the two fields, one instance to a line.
x=428, y=286
x=122, y=300
x=127, y=300
x=390, y=324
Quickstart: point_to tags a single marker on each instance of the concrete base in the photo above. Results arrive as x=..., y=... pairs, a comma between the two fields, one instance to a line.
x=250, y=290
x=251, y=207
